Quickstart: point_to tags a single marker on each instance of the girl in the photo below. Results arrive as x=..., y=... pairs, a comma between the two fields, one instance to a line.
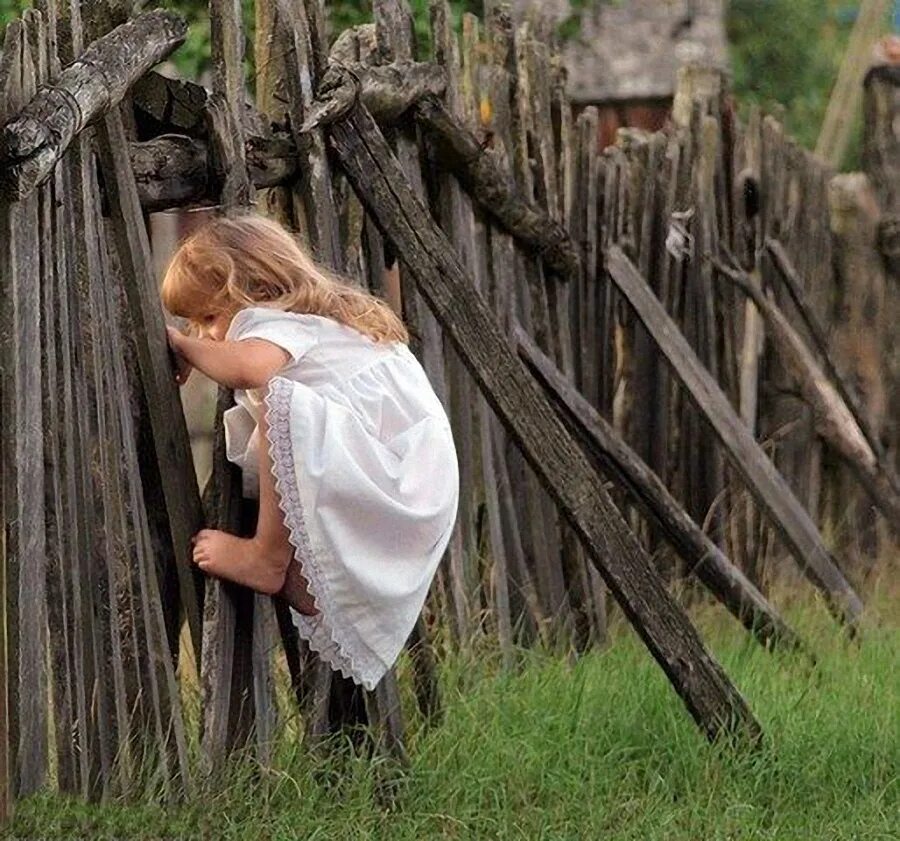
x=337, y=431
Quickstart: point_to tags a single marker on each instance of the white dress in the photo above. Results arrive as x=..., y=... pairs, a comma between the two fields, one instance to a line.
x=367, y=476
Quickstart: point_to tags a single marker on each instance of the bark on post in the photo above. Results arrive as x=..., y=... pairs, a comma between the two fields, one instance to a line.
x=35, y=140
x=376, y=176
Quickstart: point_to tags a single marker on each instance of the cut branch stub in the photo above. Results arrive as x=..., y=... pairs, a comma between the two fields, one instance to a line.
x=32, y=143
x=489, y=183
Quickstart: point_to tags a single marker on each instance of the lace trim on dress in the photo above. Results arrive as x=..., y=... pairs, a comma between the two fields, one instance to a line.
x=339, y=646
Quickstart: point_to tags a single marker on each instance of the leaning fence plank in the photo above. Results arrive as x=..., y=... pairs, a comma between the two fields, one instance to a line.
x=564, y=470
x=764, y=481
x=834, y=420
x=10, y=93
x=454, y=212
x=704, y=558
x=57, y=500
x=236, y=665
x=169, y=431
x=794, y=284
x=314, y=195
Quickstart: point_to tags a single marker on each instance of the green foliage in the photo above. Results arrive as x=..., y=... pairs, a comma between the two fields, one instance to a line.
x=788, y=53
x=599, y=749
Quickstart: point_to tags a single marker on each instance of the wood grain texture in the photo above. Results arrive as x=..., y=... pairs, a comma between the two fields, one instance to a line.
x=33, y=142
x=23, y=450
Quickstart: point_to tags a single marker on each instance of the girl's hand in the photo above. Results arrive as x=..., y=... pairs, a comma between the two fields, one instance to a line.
x=180, y=364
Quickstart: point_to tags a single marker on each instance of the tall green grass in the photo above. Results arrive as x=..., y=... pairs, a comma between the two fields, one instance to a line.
x=596, y=749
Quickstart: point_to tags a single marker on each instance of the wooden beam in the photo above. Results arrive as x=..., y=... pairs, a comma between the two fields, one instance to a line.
x=520, y=404
x=32, y=142
x=173, y=452
x=721, y=577
x=766, y=484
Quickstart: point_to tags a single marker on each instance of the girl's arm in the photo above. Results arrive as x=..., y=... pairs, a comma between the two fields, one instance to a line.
x=245, y=364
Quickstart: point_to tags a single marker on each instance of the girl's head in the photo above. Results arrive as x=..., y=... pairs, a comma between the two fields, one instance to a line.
x=235, y=262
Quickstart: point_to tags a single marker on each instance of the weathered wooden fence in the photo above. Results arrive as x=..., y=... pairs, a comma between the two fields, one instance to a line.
x=619, y=336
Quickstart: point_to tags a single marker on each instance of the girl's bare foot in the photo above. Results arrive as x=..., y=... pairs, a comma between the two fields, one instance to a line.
x=244, y=561
x=263, y=568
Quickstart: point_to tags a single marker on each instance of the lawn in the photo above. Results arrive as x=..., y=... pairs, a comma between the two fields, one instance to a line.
x=596, y=749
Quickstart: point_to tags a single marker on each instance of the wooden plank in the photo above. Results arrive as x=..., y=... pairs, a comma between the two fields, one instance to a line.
x=621, y=464
x=529, y=151
x=520, y=404
x=395, y=35
x=223, y=602
x=496, y=275
x=10, y=95
x=226, y=104
x=794, y=284
x=23, y=456
x=60, y=492
x=236, y=666
x=90, y=665
x=314, y=191
x=167, y=418
x=57, y=499
x=454, y=211
x=158, y=734
x=395, y=39
x=767, y=485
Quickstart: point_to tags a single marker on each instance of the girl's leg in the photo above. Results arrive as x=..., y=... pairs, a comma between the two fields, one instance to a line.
x=265, y=562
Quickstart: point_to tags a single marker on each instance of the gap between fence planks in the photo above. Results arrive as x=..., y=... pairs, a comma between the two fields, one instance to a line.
x=765, y=483
x=564, y=470
x=724, y=580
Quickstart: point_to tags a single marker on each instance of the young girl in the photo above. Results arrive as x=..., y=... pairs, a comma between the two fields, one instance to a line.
x=337, y=431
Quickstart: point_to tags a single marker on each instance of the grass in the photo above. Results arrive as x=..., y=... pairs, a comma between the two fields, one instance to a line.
x=601, y=748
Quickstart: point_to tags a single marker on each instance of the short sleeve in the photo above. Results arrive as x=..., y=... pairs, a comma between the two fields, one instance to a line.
x=289, y=331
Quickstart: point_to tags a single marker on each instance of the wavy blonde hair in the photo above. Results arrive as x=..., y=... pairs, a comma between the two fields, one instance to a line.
x=234, y=262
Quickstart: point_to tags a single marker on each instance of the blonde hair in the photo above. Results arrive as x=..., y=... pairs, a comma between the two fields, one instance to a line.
x=234, y=262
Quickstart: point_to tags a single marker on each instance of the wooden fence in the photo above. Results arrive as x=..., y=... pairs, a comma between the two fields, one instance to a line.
x=621, y=337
